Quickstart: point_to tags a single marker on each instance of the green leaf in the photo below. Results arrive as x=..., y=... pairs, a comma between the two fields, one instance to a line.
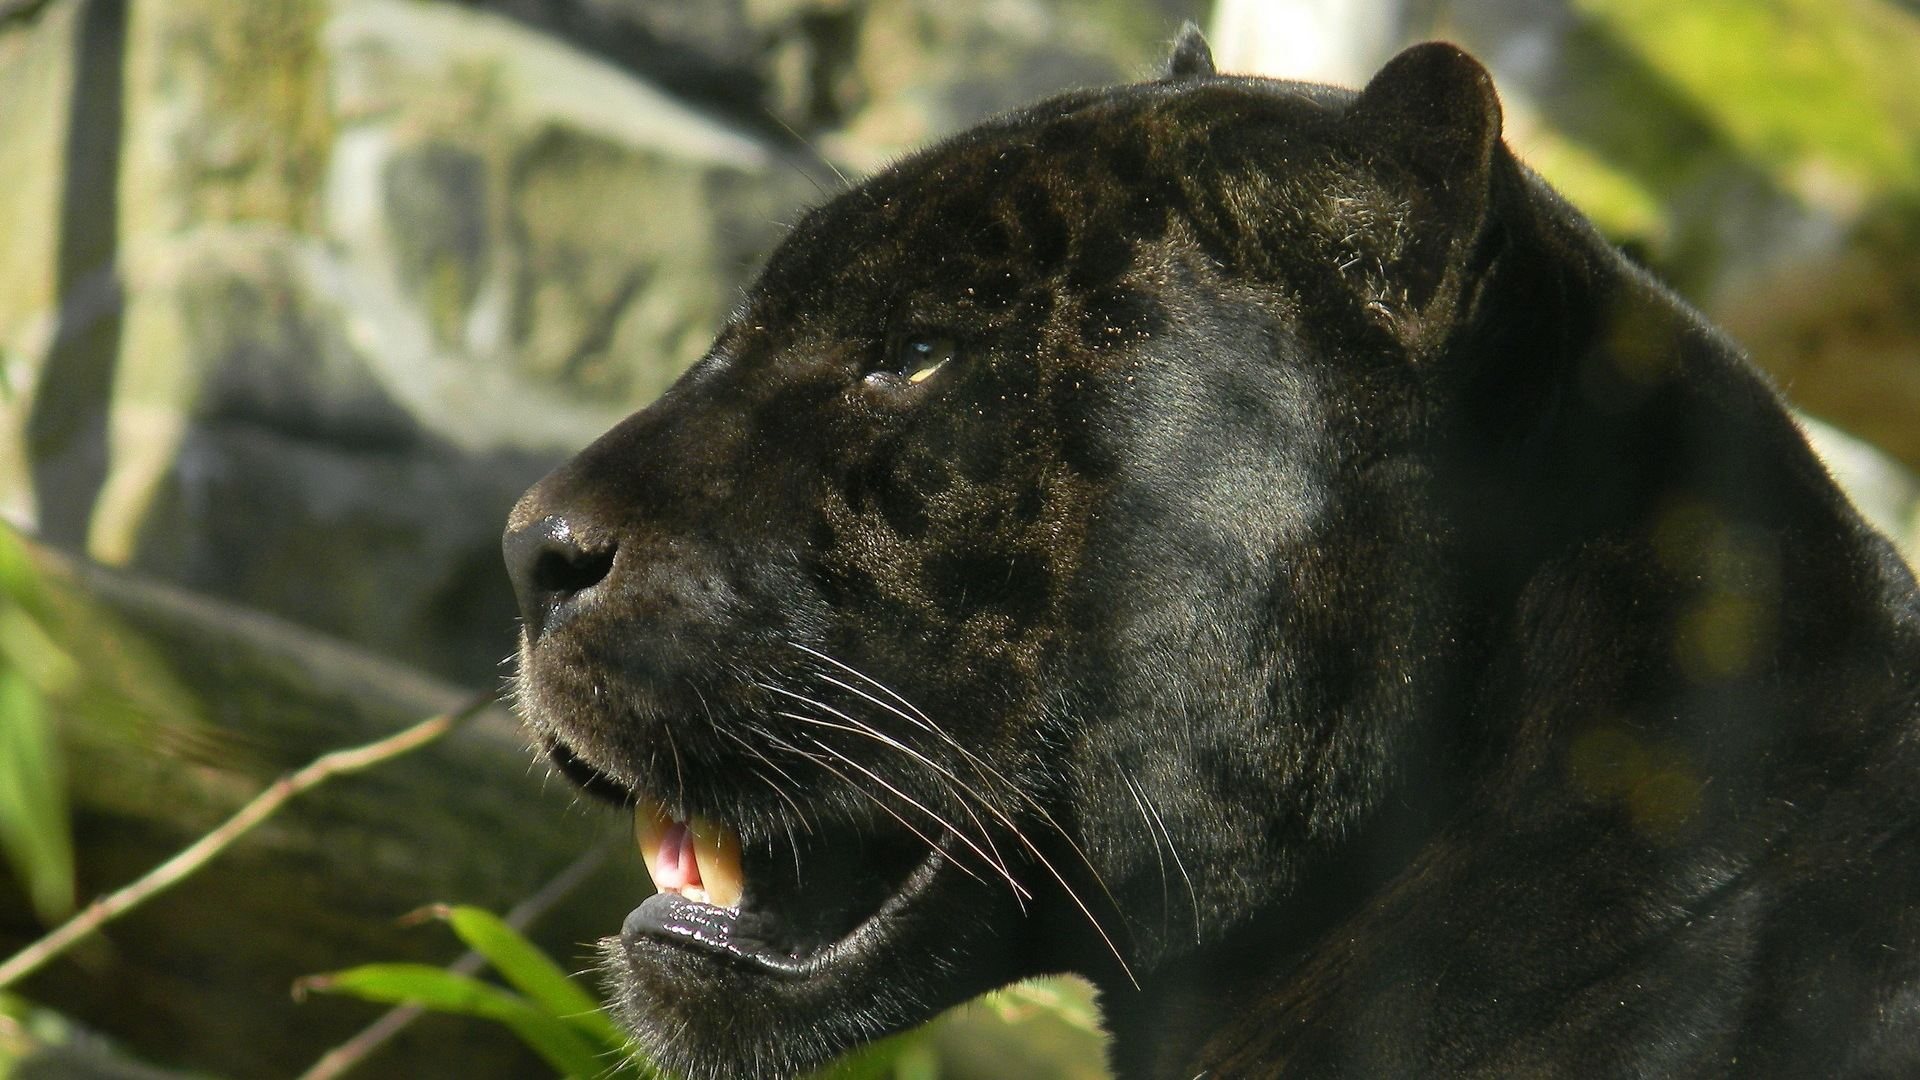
x=917, y=1061
x=527, y=969
x=902, y=1057
x=1816, y=91
x=449, y=992
x=1068, y=1001
x=35, y=835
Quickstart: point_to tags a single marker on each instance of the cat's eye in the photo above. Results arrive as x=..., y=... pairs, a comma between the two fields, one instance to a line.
x=915, y=359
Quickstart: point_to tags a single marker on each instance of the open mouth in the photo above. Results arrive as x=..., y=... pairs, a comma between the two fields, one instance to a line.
x=776, y=905
x=696, y=860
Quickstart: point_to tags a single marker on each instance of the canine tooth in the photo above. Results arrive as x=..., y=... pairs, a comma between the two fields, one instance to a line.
x=650, y=823
x=716, y=849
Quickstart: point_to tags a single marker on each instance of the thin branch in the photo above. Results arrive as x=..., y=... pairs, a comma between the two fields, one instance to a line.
x=197, y=854
x=337, y=1061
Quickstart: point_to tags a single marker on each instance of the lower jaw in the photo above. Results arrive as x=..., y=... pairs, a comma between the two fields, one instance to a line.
x=668, y=920
x=705, y=1002
x=698, y=1018
x=668, y=923
x=711, y=992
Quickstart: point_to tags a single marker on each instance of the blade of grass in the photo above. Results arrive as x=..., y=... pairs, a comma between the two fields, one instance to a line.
x=444, y=991
x=34, y=834
x=353, y=1053
x=529, y=970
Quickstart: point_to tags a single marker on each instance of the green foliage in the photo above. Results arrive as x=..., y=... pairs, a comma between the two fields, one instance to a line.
x=35, y=675
x=1799, y=87
x=549, y=1012
x=68, y=670
x=529, y=970
x=27, y=1031
x=558, y=1038
x=1669, y=121
x=559, y=1020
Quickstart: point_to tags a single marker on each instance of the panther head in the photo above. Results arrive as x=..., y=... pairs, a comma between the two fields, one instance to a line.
x=1024, y=580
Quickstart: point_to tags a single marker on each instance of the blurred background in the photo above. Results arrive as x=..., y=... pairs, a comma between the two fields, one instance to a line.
x=296, y=296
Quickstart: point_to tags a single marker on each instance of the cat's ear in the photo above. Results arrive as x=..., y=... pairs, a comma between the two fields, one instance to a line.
x=1190, y=58
x=1430, y=122
x=1435, y=109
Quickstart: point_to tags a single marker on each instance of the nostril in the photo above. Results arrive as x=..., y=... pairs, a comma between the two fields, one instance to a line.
x=551, y=564
x=571, y=570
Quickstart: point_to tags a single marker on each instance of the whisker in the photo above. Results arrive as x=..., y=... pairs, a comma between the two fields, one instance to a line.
x=817, y=155
x=921, y=720
x=862, y=728
x=1140, y=805
x=1193, y=897
x=760, y=756
x=679, y=778
x=826, y=763
x=1074, y=895
x=858, y=674
x=927, y=723
x=793, y=841
x=785, y=797
x=993, y=860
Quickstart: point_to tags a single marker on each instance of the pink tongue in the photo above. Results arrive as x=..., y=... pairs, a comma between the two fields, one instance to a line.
x=675, y=868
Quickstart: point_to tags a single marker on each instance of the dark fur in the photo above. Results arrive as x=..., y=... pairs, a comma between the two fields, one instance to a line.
x=1417, y=643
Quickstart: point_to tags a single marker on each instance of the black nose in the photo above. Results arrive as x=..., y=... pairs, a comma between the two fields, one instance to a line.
x=550, y=566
